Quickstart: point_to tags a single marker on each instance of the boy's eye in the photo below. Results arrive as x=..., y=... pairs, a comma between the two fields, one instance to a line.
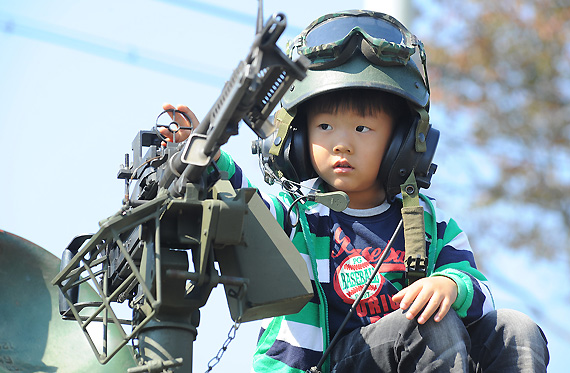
x=325, y=126
x=362, y=129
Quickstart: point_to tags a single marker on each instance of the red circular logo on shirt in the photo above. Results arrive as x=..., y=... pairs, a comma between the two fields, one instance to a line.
x=351, y=276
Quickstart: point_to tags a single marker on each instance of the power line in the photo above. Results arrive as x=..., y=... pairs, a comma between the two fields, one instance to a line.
x=112, y=50
x=109, y=49
x=216, y=11
x=225, y=13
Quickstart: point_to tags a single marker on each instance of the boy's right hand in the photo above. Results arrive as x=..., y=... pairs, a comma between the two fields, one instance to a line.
x=182, y=134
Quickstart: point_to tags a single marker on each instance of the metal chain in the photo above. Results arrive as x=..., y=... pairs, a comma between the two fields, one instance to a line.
x=231, y=336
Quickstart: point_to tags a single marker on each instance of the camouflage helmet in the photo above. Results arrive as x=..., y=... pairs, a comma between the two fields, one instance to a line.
x=405, y=81
x=384, y=61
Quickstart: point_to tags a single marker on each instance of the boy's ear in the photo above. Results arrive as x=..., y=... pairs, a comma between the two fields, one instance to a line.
x=403, y=157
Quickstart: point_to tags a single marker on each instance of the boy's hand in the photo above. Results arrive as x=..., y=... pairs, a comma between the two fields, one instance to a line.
x=183, y=134
x=433, y=293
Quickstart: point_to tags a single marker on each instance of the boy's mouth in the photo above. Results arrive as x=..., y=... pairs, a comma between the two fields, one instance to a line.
x=342, y=165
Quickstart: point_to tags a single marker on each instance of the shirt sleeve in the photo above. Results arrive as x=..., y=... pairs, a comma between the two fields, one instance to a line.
x=277, y=206
x=453, y=257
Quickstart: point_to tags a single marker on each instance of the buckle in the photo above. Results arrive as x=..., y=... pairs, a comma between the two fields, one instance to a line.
x=416, y=269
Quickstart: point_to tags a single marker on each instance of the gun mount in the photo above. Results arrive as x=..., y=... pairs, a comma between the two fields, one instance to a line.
x=159, y=252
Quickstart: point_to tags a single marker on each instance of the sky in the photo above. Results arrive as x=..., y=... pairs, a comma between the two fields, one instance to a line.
x=79, y=79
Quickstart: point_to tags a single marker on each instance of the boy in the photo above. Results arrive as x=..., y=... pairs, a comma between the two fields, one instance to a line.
x=358, y=123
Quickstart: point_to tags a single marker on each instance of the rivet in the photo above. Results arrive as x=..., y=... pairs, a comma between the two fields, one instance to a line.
x=277, y=141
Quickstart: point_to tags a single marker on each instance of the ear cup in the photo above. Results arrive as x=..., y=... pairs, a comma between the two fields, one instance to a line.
x=401, y=158
x=424, y=167
x=294, y=161
x=401, y=133
x=298, y=155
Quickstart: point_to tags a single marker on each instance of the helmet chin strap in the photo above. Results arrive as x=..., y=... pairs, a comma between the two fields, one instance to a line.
x=422, y=131
x=283, y=119
x=414, y=231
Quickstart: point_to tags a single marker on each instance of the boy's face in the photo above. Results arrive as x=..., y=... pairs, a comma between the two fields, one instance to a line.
x=346, y=151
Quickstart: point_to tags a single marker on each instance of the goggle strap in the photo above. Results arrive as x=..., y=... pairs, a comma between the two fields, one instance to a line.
x=293, y=44
x=423, y=57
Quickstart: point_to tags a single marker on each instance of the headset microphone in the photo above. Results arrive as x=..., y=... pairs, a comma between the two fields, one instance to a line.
x=337, y=201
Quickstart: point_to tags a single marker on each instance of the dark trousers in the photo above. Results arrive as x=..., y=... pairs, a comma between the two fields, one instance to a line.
x=502, y=341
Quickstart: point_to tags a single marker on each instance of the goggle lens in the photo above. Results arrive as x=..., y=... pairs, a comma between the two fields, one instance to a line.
x=336, y=29
x=332, y=39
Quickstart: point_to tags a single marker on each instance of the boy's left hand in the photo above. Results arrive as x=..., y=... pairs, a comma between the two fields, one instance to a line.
x=433, y=293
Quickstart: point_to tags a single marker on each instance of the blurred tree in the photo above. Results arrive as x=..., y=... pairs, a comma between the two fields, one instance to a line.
x=502, y=69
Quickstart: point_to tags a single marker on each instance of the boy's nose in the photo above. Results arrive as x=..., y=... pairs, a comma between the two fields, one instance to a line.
x=342, y=148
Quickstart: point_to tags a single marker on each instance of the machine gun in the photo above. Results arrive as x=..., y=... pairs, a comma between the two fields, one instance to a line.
x=181, y=206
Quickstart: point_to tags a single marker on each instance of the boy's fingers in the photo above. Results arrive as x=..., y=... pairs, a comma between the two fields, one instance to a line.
x=432, y=306
x=399, y=295
x=167, y=106
x=408, y=294
x=443, y=309
x=408, y=297
x=186, y=110
x=177, y=116
x=165, y=132
x=187, y=120
x=416, y=307
x=415, y=300
x=425, y=297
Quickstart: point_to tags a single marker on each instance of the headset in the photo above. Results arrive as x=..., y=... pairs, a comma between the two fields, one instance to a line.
x=290, y=164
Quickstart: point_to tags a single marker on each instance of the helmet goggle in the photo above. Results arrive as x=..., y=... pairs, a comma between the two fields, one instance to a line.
x=332, y=39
